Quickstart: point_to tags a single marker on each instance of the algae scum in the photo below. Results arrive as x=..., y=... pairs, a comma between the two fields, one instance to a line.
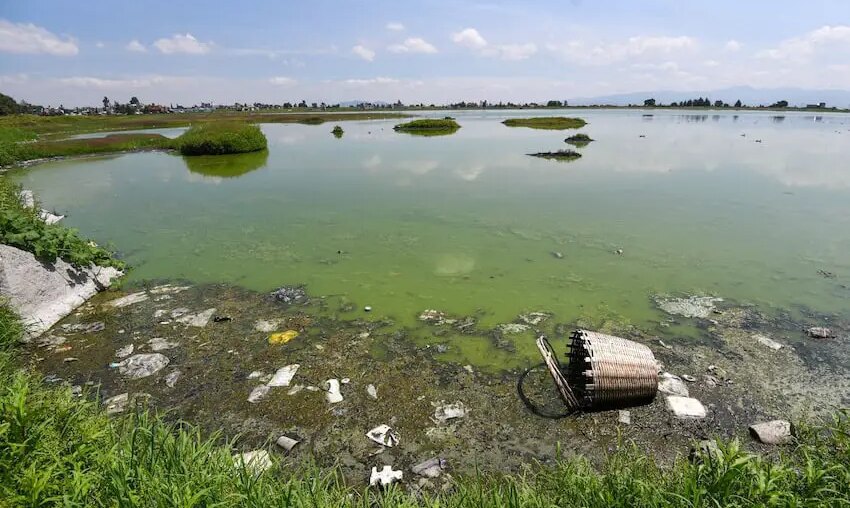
x=464, y=248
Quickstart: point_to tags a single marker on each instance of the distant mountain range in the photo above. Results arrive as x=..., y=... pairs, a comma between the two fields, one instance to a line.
x=748, y=95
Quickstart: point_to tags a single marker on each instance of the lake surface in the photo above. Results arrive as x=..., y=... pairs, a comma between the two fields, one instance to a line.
x=747, y=206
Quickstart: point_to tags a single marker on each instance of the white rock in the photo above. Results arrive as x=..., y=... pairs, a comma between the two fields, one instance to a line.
x=258, y=394
x=116, y=404
x=124, y=351
x=160, y=344
x=284, y=375
x=685, y=408
x=287, y=443
x=624, y=417
x=384, y=435
x=142, y=365
x=198, y=319
x=372, y=391
x=265, y=326
x=27, y=198
x=43, y=294
x=171, y=378
x=50, y=217
x=332, y=394
x=295, y=389
x=774, y=432
x=256, y=374
x=167, y=289
x=669, y=384
x=179, y=311
x=128, y=300
x=256, y=461
x=385, y=477
x=448, y=412
x=767, y=342
x=431, y=468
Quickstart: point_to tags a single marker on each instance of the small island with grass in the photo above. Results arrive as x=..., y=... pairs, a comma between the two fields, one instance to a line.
x=558, y=155
x=547, y=122
x=579, y=139
x=429, y=126
x=221, y=138
x=337, y=131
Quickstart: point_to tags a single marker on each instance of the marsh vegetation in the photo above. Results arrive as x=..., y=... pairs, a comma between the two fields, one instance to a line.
x=579, y=139
x=221, y=138
x=429, y=126
x=558, y=155
x=547, y=122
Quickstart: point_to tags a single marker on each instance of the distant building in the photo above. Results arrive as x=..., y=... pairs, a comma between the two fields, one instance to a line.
x=819, y=105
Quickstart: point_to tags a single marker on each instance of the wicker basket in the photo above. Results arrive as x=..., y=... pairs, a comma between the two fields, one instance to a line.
x=604, y=372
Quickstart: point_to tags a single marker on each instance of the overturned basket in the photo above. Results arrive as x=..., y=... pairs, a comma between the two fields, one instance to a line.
x=604, y=372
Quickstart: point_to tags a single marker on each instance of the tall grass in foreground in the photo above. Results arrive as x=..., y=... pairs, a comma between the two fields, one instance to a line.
x=56, y=450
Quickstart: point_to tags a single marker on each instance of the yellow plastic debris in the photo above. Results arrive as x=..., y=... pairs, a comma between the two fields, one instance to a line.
x=282, y=337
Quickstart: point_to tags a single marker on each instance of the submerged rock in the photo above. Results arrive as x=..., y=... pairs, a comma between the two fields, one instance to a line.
x=435, y=317
x=774, y=432
x=513, y=328
x=258, y=393
x=128, y=300
x=198, y=319
x=142, y=365
x=767, y=342
x=290, y=294
x=384, y=435
x=284, y=375
x=534, y=318
x=685, y=408
x=160, y=344
x=819, y=332
x=385, y=477
x=97, y=326
x=448, y=412
x=51, y=341
x=691, y=307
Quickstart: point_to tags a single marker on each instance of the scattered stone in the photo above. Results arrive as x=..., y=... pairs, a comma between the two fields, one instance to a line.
x=160, y=344
x=619, y=252
x=385, y=477
x=384, y=435
x=171, y=378
x=691, y=307
x=372, y=391
x=290, y=294
x=198, y=319
x=179, y=311
x=436, y=317
x=685, y=408
x=669, y=384
x=332, y=394
x=469, y=369
x=266, y=326
x=819, y=332
x=255, y=374
x=368, y=308
x=142, y=365
x=624, y=417
x=116, y=404
x=258, y=393
x=767, y=342
x=534, y=318
x=51, y=341
x=284, y=375
x=431, y=468
x=295, y=389
x=97, y=326
x=255, y=461
x=70, y=359
x=125, y=351
x=281, y=338
x=128, y=300
x=287, y=443
x=513, y=328
x=710, y=381
x=448, y=412
x=775, y=432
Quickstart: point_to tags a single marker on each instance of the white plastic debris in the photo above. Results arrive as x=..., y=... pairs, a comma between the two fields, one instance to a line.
x=372, y=391
x=258, y=394
x=256, y=461
x=287, y=443
x=384, y=435
x=384, y=477
x=333, y=395
x=130, y=299
x=685, y=408
x=449, y=412
x=255, y=374
x=284, y=375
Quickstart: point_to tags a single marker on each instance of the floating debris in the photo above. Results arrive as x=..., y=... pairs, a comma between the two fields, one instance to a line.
x=691, y=307
x=281, y=338
x=384, y=435
x=333, y=395
x=385, y=477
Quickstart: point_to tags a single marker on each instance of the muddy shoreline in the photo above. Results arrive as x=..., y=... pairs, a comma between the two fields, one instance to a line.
x=222, y=355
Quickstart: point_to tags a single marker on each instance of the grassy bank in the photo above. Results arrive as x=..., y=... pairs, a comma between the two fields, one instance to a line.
x=546, y=122
x=221, y=139
x=429, y=126
x=11, y=153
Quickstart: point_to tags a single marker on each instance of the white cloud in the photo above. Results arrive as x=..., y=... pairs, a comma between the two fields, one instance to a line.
x=363, y=52
x=395, y=26
x=27, y=38
x=469, y=38
x=282, y=81
x=112, y=84
x=99, y=45
x=136, y=47
x=373, y=81
x=516, y=51
x=732, y=46
x=182, y=43
x=413, y=45
x=833, y=39
x=641, y=46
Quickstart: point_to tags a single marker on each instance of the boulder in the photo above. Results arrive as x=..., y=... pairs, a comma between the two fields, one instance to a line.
x=669, y=384
x=685, y=408
x=42, y=293
x=774, y=432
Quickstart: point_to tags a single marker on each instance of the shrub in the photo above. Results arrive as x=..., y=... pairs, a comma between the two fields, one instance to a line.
x=221, y=138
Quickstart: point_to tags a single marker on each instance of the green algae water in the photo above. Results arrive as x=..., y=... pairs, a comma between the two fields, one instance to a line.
x=744, y=206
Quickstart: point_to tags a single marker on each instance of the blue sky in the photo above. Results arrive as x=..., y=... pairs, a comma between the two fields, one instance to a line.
x=74, y=53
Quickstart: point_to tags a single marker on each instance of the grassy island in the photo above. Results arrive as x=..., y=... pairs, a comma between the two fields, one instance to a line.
x=429, y=126
x=579, y=139
x=547, y=122
x=337, y=131
x=559, y=155
x=221, y=138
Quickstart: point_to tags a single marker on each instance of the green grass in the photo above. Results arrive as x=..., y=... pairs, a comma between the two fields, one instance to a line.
x=11, y=153
x=547, y=122
x=57, y=450
x=429, y=126
x=23, y=228
x=221, y=138
x=559, y=155
x=579, y=139
x=337, y=131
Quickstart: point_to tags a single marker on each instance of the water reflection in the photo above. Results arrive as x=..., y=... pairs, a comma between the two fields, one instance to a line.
x=227, y=166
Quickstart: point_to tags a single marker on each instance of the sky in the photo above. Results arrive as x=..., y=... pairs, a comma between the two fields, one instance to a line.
x=433, y=51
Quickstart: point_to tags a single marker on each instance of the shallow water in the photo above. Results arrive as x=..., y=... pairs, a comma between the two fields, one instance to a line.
x=468, y=223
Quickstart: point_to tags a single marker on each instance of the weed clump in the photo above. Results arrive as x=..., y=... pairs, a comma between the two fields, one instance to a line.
x=221, y=138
